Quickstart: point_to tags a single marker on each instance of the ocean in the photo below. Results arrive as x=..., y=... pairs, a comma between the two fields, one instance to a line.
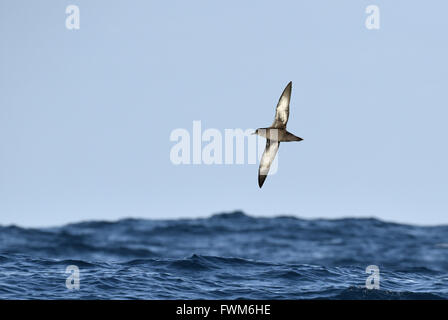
x=225, y=256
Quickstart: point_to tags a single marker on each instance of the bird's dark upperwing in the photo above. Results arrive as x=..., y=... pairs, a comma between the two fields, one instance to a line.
x=266, y=160
x=282, y=111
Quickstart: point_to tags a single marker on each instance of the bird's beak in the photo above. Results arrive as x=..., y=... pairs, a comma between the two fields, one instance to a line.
x=255, y=132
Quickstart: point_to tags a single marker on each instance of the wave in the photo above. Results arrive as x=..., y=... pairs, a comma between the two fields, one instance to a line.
x=228, y=255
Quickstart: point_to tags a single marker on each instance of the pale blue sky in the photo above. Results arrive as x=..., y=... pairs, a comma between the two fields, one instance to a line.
x=85, y=116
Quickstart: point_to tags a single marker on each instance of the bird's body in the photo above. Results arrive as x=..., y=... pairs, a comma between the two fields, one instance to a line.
x=275, y=134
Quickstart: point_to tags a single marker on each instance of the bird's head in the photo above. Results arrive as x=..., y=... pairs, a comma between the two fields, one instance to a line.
x=255, y=132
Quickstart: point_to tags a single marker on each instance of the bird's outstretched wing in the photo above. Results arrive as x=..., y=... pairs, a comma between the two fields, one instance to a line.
x=266, y=160
x=282, y=111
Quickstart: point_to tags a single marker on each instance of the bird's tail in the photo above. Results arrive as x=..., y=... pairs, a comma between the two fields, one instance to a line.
x=291, y=137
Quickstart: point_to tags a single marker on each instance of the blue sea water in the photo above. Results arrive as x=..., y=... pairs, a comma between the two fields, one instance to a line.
x=226, y=256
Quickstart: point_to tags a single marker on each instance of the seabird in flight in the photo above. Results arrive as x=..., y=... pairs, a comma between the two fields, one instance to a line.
x=275, y=134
